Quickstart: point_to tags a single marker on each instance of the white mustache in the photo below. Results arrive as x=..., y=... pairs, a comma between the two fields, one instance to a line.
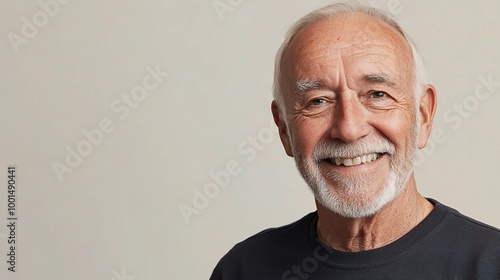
x=337, y=149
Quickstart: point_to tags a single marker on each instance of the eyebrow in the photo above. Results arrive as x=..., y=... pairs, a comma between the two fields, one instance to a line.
x=379, y=78
x=304, y=86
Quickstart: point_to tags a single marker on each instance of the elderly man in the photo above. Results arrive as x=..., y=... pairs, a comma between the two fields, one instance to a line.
x=352, y=107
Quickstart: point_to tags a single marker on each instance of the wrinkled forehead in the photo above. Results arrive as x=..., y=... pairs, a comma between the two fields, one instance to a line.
x=357, y=39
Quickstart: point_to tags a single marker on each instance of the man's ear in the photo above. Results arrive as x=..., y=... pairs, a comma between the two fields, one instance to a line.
x=427, y=107
x=282, y=129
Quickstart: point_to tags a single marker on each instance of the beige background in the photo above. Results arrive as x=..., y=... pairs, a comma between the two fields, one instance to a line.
x=116, y=214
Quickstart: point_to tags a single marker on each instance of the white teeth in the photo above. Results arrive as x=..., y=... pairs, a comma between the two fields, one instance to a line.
x=355, y=161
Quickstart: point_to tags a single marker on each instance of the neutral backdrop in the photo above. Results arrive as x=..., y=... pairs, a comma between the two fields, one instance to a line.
x=126, y=172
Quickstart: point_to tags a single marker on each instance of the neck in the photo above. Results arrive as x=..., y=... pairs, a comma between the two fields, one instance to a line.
x=393, y=221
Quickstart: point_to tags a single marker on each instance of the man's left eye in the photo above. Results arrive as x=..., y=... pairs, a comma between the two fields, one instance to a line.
x=378, y=94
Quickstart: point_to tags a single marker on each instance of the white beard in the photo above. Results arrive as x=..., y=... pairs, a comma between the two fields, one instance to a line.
x=356, y=200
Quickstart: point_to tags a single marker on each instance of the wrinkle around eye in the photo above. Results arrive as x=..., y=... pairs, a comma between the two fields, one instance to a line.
x=316, y=102
x=315, y=107
x=379, y=100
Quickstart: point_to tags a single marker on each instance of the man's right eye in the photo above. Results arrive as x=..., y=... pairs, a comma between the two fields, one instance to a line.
x=317, y=102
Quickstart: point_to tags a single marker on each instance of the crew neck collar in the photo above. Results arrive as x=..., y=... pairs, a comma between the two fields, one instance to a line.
x=378, y=257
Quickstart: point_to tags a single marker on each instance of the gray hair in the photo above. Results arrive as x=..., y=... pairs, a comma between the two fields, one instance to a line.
x=331, y=11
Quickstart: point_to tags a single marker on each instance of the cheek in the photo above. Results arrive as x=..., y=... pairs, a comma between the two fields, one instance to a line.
x=397, y=128
x=306, y=134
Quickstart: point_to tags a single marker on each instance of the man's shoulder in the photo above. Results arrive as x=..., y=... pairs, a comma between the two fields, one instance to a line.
x=274, y=236
x=469, y=223
x=270, y=251
x=460, y=227
x=276, y=239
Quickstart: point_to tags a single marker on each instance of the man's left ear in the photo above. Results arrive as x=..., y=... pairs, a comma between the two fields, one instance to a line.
x=428, y=103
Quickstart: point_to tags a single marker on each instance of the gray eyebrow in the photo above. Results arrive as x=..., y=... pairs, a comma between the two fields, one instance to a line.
x=379, y=78
x=304, y=86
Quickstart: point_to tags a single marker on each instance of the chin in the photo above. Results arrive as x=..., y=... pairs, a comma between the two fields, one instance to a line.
x=351, y=198
x=355, y=206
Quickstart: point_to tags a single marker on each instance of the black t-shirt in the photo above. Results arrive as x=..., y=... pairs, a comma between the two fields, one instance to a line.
x=445, y=245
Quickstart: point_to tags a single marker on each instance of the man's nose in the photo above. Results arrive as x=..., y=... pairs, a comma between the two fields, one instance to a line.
x=350, y=119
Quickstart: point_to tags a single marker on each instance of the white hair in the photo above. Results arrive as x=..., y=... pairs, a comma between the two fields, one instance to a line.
x=331, y=11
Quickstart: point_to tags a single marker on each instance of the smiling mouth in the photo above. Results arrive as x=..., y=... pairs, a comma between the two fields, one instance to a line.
x=355, y=161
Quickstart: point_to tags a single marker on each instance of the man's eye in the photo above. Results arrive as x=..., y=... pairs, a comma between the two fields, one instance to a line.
x=317, y=102
x=378, y=94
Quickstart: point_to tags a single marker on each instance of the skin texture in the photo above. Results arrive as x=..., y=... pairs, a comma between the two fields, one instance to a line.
x=337, y=55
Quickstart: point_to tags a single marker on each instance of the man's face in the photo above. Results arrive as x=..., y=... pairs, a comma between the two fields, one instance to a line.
x=350, y=112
